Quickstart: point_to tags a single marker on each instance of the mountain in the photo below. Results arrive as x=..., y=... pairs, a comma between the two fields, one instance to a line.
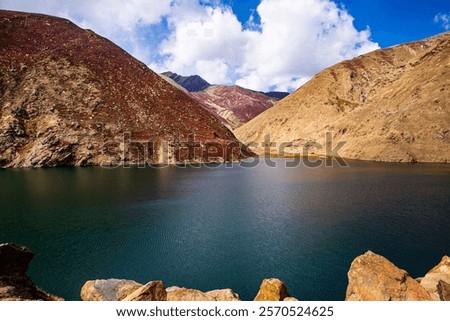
x=190, y=83
x=70, y=97
x=234, y=105
x=389, y=105
x=277, y=94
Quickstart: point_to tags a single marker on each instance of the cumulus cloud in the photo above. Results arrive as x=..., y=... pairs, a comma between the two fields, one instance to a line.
x=444, y=19
x=292, y=42
x=204, y=40
x=282, y=45
x=297, y=39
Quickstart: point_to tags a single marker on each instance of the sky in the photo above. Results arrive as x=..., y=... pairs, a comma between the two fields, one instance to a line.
x=263, y=45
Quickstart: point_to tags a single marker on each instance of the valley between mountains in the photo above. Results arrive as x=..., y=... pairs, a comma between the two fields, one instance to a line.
x=69, y=97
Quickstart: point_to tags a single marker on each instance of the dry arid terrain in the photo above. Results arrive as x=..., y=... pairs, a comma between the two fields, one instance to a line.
x=389, y=105
x=70, y=97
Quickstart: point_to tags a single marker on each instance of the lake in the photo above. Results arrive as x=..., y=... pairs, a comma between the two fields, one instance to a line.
x=225, y=227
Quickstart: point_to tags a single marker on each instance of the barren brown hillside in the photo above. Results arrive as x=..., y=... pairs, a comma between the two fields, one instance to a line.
x=389, y=105
x=70, y=97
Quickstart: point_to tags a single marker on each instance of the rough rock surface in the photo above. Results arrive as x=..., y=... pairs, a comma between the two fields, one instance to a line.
x=374, y=278
x=184, y=294
x=389, y=105
x=70, y=97
x=441, y=272
x=108, y=290
x=443, y=290
x=152, y=291
x=223, y=295
x=272, y=290
x=15, y=285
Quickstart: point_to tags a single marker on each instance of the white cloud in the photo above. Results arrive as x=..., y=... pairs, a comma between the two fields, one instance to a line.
x=203, y=37
x=216, y=71
x=294, y=40
x=284, y=43
x=444, y=19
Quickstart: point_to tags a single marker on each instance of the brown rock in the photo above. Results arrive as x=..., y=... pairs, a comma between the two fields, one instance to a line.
x=15, y=285
x=441, y=272
x=290, y=299
x=272, y=290
x=183, y=294
x=223, y=295
x=443, y=289
x=14, y=259
x=374, y=278
x=108, y=290
x=152, y=291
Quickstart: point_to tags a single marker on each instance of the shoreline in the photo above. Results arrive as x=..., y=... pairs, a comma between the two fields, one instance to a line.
x=371, y=277
x=196, y=164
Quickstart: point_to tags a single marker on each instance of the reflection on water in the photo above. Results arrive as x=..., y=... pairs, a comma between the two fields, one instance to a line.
x=225, y=227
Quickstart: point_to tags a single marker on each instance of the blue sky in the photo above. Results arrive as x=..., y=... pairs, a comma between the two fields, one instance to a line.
x=391, y=22
x=258, y=44
x=398, y=21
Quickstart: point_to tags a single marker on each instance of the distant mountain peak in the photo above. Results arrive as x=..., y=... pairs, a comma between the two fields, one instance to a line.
x=232, y=105
x=193, y=83
x=277, y=94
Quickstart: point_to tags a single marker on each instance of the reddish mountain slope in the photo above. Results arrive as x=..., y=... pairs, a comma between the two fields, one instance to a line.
x=69, y=97
x=234, y=104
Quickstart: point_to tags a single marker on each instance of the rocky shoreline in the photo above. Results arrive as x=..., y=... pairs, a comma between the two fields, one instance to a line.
x=371, y=278
x=15, y=285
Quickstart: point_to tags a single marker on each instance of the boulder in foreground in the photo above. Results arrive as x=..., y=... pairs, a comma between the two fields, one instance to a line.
x=108, y=290
x=272, y=290
x=223, y=295
x=152, y=291
x=440, y=274
x=374, y=278
x=15, y=285
x=443, y=291
x=183, y=294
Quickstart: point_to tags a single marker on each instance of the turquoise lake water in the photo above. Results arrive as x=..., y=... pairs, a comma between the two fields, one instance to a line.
x=225, y=227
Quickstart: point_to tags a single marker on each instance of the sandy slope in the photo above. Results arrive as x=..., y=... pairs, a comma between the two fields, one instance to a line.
x=389, y=105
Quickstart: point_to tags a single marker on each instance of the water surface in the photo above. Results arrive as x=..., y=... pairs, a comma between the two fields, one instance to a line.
x=225, y=227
